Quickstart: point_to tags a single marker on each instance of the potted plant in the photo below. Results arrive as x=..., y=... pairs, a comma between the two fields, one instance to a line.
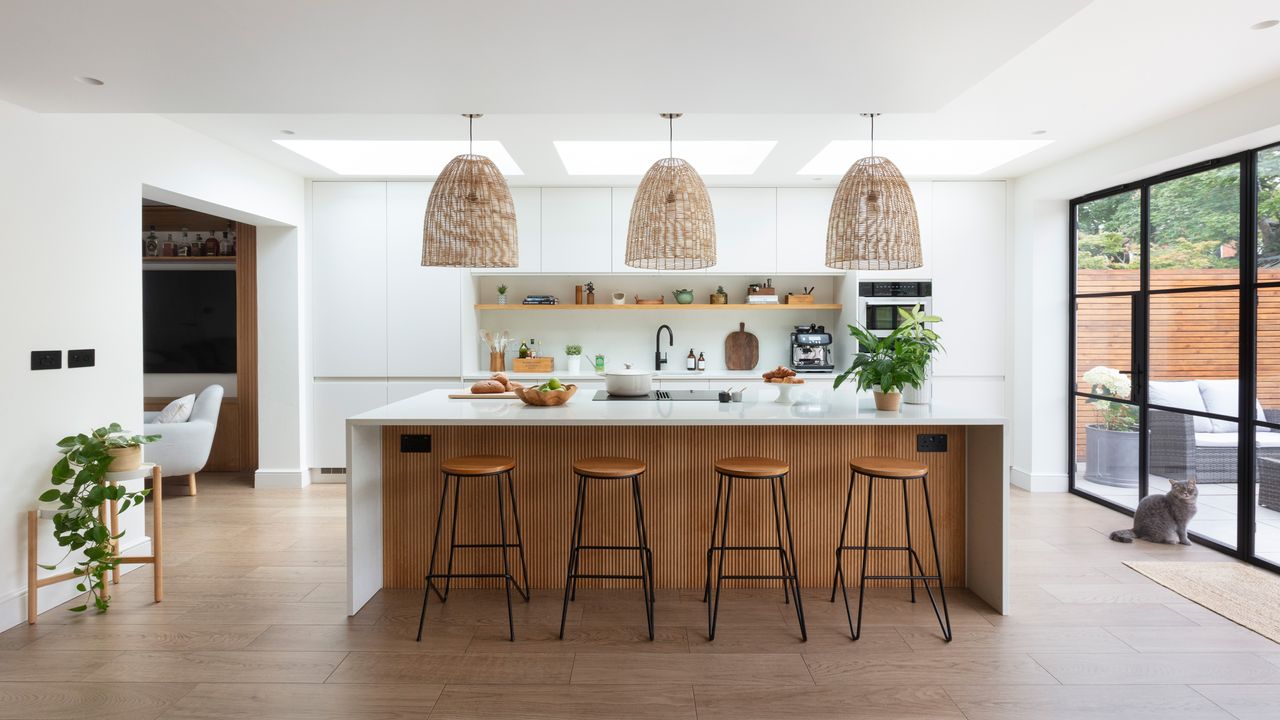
x=916, y=328
x=719, y=297
x=886, y=365
x=502, y=294
x=573, y=358
x=80, y=490
x=1111, y=446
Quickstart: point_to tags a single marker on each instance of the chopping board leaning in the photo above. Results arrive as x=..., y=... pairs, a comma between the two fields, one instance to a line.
x=741, y=349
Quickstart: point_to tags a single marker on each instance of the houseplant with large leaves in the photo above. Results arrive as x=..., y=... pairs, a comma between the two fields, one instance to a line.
x=886, y=365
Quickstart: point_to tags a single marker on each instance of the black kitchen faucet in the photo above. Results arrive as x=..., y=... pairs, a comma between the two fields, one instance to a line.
x=660, y=358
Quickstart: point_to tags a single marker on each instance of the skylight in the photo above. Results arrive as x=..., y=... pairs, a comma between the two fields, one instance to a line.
x=923, y=157
x=633, y=157
x=396, y=157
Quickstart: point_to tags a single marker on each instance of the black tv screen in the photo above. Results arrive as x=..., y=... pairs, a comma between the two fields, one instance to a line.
x=189, y=321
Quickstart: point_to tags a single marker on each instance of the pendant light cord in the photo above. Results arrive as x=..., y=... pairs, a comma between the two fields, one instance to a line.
x=873, y=135
x=471, y=135
x=671, y=137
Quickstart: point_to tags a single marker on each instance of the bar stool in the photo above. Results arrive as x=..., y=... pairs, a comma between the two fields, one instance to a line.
x=751, y=468
x=609, y=468
x=904, y=471
x=498, y=467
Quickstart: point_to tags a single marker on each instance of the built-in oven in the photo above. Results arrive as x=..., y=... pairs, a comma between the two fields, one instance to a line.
x=880, y=302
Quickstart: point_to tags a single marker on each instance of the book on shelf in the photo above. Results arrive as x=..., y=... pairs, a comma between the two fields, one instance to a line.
x=541, y=300
x=762, y=299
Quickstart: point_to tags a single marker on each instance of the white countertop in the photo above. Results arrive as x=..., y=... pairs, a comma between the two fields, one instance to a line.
x=744, y=375
x=815, y=404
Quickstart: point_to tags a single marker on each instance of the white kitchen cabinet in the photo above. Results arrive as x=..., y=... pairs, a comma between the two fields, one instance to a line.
x=668, y=383
x=424, y=306
x=922, y=192
x=746, y=230
x=348, y=279
x=969, y=256
x=577, y=226
x=332, y=402
x=802, y=229
x=528, y=204
x=398, y=390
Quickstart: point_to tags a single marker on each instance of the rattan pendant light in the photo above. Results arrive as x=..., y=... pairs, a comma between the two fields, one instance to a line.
x=470, y=220
x=671, y=226
x=873, y=223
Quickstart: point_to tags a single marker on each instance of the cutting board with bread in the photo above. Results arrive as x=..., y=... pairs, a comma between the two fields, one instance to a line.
x=497, y=387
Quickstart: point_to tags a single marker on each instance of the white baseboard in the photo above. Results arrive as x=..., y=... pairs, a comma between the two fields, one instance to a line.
x=1038, y=482
x=13, y=606
x=281, y=479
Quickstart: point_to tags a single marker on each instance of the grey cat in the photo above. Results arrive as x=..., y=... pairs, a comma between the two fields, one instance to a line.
x=1163, y=518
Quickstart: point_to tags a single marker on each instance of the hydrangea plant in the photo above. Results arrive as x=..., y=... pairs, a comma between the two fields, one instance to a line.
x=1110, y=382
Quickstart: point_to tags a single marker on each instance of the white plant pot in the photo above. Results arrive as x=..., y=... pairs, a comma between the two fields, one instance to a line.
x=573, y=363
x=922, y=395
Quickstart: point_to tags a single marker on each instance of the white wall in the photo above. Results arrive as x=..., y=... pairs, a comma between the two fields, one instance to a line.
x=1039, y=272
x=70, y=195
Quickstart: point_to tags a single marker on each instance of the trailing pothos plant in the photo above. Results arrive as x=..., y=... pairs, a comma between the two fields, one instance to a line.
x=897, y=360
x=79, y=488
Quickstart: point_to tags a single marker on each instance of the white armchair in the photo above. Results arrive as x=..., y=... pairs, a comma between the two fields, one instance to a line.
x=183, y=448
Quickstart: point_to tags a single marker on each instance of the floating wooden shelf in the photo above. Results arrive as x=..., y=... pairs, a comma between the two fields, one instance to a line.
x=667, y=306
x=189, y=258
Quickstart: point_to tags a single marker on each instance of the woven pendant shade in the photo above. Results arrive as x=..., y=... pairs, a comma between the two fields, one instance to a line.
x=470, y=220
x=671, y=226
x=873, y=223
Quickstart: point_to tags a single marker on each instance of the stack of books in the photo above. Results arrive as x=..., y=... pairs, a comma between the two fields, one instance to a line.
x=541, y=300
x=762, y=299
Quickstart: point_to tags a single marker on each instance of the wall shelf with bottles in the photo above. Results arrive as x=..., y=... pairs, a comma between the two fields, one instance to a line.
x=666, y=306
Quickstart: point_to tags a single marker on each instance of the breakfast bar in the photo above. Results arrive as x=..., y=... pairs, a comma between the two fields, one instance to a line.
x=395, y=454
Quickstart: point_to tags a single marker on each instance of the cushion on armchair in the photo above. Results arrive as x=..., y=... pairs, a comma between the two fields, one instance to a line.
x=1180, y=394
x=178, y=411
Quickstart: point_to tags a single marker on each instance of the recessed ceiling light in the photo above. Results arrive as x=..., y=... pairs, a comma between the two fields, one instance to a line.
x=286, y=132
x=1264, y=24
x=1039, y=132
x=923, y=157
x=86, y=80
x=396, y=157
x=633, y=157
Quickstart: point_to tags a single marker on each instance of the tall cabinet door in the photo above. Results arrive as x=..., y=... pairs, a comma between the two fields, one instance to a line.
x=423, y=303
x=746, y=230
x=528, y=203
x=577, y=226
x=969, y=251
x=348, y=279
x=802, y=229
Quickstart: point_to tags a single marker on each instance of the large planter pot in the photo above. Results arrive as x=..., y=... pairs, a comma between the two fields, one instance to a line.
x=125, y=459
x=922, y=395
x=887, y=402
x=1111, y=456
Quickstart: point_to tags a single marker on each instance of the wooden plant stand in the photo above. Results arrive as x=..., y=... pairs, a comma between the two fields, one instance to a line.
x=34, y=583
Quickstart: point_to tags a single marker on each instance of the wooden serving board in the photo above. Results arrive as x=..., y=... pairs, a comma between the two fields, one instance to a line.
x=741, y=349
x=467, y=395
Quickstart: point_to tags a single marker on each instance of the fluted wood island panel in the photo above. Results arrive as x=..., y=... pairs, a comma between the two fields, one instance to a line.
x=679, y=494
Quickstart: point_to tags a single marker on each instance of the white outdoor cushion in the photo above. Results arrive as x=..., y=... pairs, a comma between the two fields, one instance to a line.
x=1222, y=397
x=1228, y=440
x=1184, y=394
x=178, y=411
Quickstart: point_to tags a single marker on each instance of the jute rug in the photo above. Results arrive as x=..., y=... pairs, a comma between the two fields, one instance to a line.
x=1241, y=593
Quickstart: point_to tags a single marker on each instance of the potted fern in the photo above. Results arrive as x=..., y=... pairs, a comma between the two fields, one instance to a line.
x=886, y=365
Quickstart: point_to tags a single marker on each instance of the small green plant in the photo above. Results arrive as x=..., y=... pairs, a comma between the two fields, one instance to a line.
x=897, y=360
x=502, y=289
x=79, y=488
x=572, y=350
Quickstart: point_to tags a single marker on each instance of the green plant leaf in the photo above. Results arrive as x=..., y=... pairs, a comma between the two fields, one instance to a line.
x=78, y=608
x=62, y=469
x=50, y=495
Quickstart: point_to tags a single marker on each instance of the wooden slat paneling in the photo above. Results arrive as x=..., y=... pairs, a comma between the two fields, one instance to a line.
x=679, y=490
x=247, y=344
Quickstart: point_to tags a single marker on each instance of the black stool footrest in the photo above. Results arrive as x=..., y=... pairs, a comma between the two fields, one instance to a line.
x=608, y=577
x=433, y=576
x=774, y=548
x=485, y=545
x=904, y=577
x=756, y=577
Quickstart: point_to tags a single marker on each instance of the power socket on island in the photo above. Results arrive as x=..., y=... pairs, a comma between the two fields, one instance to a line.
x=415, y=443
x=931, y=443
x=46, y=359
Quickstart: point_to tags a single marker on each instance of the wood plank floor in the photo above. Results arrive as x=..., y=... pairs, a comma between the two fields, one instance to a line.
x=253, y=626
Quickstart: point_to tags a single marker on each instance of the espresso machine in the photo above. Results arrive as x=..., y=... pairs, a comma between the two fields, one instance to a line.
x=811, y=349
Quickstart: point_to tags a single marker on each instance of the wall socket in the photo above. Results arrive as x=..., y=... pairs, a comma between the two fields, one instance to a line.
x=410, y=443
x=931, y=443
x=46, y=359
x=80, y=358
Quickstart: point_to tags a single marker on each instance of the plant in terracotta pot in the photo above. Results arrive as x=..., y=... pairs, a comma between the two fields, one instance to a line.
x=1111, y=446
x=80, y=489
x=886, y=365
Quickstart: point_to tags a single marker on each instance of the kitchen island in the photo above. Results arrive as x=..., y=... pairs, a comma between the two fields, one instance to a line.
x=394, y=453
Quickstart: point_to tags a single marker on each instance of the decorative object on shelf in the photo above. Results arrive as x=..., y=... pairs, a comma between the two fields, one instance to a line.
x=534, y=364
x=804, y=298
x=660, y=300
x=618, y=297
x=577, y=294
x=683, y=296
x=151, y=243
x=471, y=218
x=541, y=300
x=573, y=358
x=591, y=293
x=886, y=365
x=873, y=223
x=672, y=226
x=502, y=294
x=1111, y=446
x=762, y=294
x=211, y=245
x=741, y=349
x=719, y=297
x=497, y=345
x=549, y=394
x=81, y=521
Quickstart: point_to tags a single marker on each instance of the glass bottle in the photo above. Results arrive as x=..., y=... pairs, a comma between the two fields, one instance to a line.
x=691, y=362
x=524, y=349
x=702, y=361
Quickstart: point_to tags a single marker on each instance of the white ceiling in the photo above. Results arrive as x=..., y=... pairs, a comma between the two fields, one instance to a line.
x=797, y=72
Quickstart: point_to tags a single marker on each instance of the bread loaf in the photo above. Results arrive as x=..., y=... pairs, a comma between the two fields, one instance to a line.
x=484, y=387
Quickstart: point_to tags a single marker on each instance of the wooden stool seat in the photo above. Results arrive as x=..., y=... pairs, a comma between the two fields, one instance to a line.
x=478, y=465
x=609, y=467
x=751, y=467
x=888, y=467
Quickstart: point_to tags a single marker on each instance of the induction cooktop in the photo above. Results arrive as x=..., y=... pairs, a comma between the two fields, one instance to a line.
x=711, y=395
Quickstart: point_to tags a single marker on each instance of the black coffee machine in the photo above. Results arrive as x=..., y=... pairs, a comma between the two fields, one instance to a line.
x=811, y=349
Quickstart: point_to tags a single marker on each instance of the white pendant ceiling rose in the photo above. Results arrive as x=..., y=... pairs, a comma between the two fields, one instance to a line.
x=470, y=220
x=672, y=226
x=873, y=223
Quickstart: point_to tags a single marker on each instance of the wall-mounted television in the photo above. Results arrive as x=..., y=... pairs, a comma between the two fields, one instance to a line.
x=189, y=321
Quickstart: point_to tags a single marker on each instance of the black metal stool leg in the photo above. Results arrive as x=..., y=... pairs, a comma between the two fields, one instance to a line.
x=906, y=513
x=795, y=569
x=715, y=518
x=574, y=538
x=582, y=521
x=507, y=580
x=428, y=585
x=646, y=580
x=838, y=577
x=937, y=564
x=644, y=541
x=782, y=553
x=866, y=543
x=713, y=607
x=453, y=539
x=515, y=515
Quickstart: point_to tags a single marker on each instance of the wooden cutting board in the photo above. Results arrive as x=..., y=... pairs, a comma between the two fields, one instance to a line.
x=741, y=349
x=465, y=395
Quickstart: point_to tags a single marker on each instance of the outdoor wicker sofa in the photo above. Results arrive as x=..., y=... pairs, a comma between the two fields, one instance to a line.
x=1184, y=446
